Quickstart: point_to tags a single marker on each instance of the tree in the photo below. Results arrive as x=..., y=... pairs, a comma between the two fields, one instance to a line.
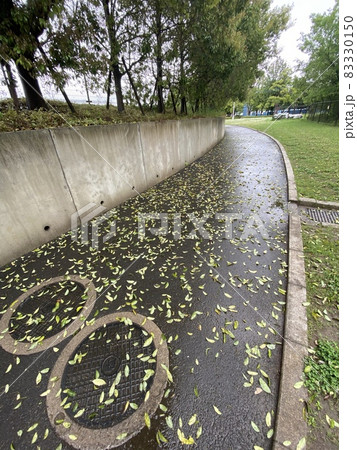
x=233, y=38
x=274, y=88
x=280, y=91
x=21, y=24
x=198, y=54
x=10, y=83
x=116, y=28
x=66, y=51
x=322, y=45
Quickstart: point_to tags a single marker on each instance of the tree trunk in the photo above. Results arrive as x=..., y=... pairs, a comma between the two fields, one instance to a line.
x=159, y=61
x=108, y=89
x=133, y=86
x=182, y=82
x=89, y=101
x=32, y=90
x=54, y=74
x=10, y=83
x=114, y=53
x=153, y=95
x=197, y=105
x=68, y=101
x=173, y=100
x=183, y=105
x=117, y=75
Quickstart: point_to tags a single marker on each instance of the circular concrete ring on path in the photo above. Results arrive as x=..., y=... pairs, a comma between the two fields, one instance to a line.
x=24, y=348
x=82, y=437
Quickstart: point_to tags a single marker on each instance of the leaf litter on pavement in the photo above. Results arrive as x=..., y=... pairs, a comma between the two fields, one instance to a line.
x=205, y=290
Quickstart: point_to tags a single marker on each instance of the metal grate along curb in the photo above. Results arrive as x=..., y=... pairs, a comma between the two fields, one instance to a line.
x=323, y=216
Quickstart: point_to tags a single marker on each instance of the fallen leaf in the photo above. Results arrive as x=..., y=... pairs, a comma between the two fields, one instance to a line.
x=99, y=382
x=264, y=386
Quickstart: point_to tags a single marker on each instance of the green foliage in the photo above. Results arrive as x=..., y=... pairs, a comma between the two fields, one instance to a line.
x=274, y=89
x=321, y=265
x=247, y=38
x=322, y=369
x=196, y=54
x=322, y=45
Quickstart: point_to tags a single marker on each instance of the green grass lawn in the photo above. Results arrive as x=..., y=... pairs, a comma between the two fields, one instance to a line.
x=321, y=251
x=312, y=149
x=321, y=368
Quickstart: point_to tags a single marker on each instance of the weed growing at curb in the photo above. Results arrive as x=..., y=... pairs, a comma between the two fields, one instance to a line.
x=322, y=369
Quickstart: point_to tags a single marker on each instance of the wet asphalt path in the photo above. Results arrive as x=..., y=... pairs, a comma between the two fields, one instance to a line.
x=218, y=299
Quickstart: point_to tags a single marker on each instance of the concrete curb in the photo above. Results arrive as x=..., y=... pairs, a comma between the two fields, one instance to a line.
x=290, y=425
x=313, y=203
x=292, y=191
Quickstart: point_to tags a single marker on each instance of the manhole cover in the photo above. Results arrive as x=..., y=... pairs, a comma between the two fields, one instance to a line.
x=109, y=376
x=46, y=314
x=323, y=216
x=47, y=311
x=114, y=355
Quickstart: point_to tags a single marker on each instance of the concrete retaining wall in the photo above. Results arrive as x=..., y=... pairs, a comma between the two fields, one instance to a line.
x=48, y=175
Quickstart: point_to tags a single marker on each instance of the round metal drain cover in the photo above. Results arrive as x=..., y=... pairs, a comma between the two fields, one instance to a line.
x=46, y=314
x=115, y=355
x=47, y=311
x=109, y=376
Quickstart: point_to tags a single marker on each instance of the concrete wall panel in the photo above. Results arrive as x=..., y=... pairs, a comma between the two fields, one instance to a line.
x=48, y=175
x=160, y=150
x=33, y=193
x=189, y=140
x=101, y=163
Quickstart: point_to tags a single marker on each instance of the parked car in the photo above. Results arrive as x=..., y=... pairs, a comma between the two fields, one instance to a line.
x=281, y=115
x=287, y=115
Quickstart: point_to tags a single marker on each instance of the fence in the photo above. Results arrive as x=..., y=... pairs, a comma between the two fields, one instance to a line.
x=324, y=111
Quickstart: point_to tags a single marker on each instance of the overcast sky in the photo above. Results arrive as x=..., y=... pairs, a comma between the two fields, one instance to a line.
x=301, y=23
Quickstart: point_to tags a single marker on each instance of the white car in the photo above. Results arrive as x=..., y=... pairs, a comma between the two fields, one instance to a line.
x=281, y=115
x=295, y=116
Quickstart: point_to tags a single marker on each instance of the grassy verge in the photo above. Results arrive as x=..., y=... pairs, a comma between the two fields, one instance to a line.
x=312, y=149
x=321, y=368
x=59, y=115
x=322, y=282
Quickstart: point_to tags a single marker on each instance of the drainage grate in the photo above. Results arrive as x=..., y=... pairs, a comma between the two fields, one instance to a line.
x=47, y=311
x=115, y=354
x=323, y=216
